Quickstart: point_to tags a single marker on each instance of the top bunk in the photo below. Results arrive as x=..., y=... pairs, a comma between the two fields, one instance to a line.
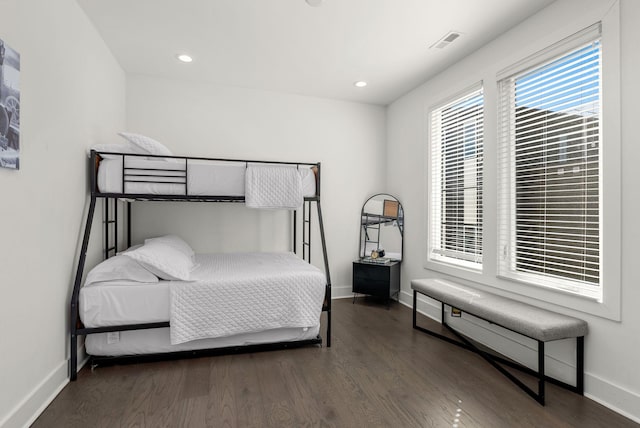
x=258, y=183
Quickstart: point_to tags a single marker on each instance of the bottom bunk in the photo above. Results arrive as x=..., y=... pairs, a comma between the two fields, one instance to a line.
x=204, y=303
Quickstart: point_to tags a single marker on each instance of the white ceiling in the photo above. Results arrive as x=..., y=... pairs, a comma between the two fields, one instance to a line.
x=289, y=46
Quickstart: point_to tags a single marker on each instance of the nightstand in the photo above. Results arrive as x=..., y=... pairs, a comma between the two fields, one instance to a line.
x=376, y=279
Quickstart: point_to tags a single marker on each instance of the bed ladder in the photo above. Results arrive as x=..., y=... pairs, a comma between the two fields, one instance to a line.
x=306, y=231
x=306, y=251
x=110, y=229
x=73, y=357
x=110, y=221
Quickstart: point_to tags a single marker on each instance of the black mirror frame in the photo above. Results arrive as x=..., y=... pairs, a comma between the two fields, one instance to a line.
x=392, y=211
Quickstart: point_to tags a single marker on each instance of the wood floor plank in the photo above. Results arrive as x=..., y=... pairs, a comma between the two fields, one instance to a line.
x=192, y=412
x=221, y=409
x=277, y=400
x=247, y=398
x=379, y=372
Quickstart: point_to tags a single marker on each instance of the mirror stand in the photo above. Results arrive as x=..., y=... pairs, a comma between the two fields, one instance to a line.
x=377, y=271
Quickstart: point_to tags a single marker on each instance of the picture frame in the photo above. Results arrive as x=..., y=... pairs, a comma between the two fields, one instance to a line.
x=9, y=107
x=390, y=208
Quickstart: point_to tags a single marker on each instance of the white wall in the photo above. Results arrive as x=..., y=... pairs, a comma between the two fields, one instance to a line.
x=72, y=95
x=612, y=348
x=72, y=101
x=229, y=122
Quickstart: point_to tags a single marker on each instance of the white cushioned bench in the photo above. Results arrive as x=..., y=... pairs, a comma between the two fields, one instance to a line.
x=536, y=323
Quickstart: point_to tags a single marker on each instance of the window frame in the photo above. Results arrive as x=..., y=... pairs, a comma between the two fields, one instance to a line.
x=609, y=305
x=507, y=167
x=444, y=262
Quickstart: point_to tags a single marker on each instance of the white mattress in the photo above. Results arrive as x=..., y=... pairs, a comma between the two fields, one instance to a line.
x=111, y=303
x=205, y=178
x=157, y=340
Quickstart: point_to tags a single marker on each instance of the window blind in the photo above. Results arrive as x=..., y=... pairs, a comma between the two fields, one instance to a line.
x=549, y=170
x=456, y=152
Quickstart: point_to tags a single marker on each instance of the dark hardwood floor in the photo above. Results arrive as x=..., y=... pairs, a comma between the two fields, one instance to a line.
x=379, y=372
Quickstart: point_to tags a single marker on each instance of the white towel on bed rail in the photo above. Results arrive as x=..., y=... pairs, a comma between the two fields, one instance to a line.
x=273, y=187
x=244, y=293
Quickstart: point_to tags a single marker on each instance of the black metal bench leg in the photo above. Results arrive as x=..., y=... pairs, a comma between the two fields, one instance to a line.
x=415, y=307
x=579, y=365
x=541, y=376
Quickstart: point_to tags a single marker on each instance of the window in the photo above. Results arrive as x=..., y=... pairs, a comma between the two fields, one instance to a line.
x=549, y=168
x=456, y=181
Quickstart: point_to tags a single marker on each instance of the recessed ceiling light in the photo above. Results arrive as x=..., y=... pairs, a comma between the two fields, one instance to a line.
x=184, y=58
x=314, y=3
x=360, y=84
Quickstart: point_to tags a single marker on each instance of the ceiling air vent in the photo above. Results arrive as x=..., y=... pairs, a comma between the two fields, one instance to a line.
x=443, y=42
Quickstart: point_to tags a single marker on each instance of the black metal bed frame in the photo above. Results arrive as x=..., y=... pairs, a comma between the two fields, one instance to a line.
x=493, y=359
x=178, y=176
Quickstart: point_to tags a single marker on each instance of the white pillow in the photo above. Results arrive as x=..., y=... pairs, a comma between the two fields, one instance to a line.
x=127, y=149
x=131, y=248
x=175, y=242
x=119, y=268
x=146, y=145
x=163, y=260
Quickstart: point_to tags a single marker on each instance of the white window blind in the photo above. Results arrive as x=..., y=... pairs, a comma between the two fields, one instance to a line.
x=455, y=205
x=549, y=168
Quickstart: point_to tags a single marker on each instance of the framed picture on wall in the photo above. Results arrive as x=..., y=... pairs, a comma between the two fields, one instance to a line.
x=9, y=107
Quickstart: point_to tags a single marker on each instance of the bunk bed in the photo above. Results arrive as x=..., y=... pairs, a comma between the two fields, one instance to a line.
x=146, y=335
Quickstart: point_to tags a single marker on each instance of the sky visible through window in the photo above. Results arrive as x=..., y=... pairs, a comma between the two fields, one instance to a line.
x=570, y=84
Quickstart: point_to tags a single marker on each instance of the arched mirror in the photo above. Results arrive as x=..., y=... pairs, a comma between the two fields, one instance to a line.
x=382, y=228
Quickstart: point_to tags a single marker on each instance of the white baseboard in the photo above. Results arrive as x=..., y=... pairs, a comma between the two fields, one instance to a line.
x=618, y=399
x=522, y=350
x=28, y=410
x=341, y=292
x=83, y=358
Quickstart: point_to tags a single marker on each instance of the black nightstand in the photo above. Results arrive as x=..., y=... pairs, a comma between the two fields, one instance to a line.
x=379, y=280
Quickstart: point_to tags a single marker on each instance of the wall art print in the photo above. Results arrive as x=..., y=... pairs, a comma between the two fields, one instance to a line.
x=9, y=107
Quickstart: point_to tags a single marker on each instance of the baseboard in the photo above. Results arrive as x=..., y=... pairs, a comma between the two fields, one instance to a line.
x=28, y=410
x=83, y=358
x=341, y=292
x=618, y=398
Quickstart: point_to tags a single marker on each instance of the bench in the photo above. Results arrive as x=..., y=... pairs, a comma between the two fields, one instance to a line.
x=536, y=323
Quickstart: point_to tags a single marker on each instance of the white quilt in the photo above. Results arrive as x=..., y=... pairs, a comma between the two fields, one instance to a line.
x=244, y=293
x=273, y=187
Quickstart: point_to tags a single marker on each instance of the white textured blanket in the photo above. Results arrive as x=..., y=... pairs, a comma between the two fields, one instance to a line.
x=243, y=293
x=273, y=187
